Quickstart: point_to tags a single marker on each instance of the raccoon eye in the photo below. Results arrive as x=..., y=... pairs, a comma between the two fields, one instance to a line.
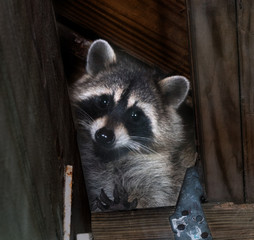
x=103, y=102
x=136, y=116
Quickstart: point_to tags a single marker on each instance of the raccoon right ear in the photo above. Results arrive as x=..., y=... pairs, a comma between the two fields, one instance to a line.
x=175, y=89
x=100, y=56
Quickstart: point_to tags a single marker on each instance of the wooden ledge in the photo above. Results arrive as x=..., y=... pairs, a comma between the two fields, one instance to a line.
x=226, y=221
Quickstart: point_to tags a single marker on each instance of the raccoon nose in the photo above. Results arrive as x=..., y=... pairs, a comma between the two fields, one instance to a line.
x=105, y=136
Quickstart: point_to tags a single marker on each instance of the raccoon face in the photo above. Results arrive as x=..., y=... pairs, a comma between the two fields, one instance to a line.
x=117, y=122
x=122, y=105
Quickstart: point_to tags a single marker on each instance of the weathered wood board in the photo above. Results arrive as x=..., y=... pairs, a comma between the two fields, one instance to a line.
x=226, y=221
x=214, y=50
x=154, y=31
x=37, y=133
x=38, y=137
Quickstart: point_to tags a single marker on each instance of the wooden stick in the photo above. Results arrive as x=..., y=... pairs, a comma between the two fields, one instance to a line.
x=67, y=202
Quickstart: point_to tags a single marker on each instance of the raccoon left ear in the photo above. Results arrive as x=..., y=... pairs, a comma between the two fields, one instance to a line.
x=175, y=89
x=100, y=56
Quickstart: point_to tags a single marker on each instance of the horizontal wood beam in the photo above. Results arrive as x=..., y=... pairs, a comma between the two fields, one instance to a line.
x=154, y=31
x=227, y=221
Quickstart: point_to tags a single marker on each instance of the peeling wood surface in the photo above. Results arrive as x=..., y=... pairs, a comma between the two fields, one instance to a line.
x=154, y=31
x=227, y=221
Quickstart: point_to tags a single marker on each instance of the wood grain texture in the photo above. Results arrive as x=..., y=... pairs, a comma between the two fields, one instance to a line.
x=226, y=221
x=245, y=10
x=154, y=31
x=37, y=133
x=138, y=224
x=230, y=221
x=214, y=53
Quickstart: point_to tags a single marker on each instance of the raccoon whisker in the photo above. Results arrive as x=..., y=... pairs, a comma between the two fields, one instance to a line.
x=149, y=150
x=144, y=139
x=84, y=120
x=142, y=153
x=139, y=146
x=83, y=124
x=84, y=114
x=133, y=147
x=136, y=151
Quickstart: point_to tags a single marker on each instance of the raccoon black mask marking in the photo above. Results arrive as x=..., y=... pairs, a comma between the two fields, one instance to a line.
x=130, y=136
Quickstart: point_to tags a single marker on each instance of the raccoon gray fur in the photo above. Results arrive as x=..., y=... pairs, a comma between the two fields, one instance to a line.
x=132, y=141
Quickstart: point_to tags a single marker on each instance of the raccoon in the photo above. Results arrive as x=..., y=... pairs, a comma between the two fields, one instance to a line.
x=132, y=140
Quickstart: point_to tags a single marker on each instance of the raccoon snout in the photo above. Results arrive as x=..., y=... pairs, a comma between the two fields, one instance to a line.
x=105, y=137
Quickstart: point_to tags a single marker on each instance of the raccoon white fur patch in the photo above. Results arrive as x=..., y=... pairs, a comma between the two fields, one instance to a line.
x=134, y=147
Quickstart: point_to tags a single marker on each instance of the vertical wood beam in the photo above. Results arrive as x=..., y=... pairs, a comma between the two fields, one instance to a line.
x=245, y=10
x=37, y=133
x=213, y=43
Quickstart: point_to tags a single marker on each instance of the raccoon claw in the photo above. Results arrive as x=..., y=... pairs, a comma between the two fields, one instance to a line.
x=103, y=202
x=120, y=201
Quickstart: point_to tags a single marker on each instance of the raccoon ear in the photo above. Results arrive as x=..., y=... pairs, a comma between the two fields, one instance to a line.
x=175, y=89
x=100, y=56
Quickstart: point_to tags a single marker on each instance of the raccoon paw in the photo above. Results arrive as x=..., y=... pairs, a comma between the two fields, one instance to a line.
x=120, y=201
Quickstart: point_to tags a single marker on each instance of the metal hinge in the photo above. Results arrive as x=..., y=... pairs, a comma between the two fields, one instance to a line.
x=188, y=221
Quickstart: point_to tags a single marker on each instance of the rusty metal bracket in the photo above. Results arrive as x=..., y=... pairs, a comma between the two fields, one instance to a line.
x=188, y=221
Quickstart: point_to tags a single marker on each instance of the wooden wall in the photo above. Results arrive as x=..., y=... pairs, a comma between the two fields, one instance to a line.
x=245, y=34
x=153, y=31
x=37, y=135
x=221, y=35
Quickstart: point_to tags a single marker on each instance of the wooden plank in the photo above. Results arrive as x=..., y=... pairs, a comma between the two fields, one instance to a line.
x=246, y=58
x=226, y=221
x=154, y=31
x=138, y=224
x=214, y=53
x=37, y=133
x=230, y=221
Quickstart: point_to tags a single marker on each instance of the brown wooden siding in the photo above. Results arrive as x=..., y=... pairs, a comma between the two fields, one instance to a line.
x=226, y=222
x=216, y=84
x=37, y=134
x=154, y=31
x=221, y=34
